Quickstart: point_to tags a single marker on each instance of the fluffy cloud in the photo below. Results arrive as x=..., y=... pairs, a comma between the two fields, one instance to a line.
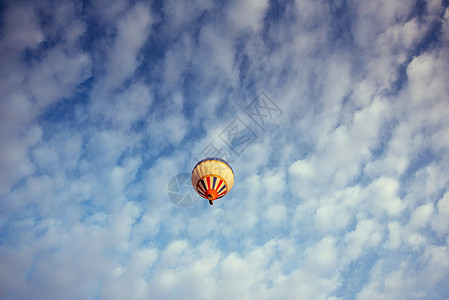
x=342, y=194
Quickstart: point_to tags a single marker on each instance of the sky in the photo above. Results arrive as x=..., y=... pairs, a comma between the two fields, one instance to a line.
x=334, y=116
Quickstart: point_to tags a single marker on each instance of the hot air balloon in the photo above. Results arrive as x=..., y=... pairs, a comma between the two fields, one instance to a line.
x=212, y=178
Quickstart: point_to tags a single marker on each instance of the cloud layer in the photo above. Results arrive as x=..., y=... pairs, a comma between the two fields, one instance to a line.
x=341, y=169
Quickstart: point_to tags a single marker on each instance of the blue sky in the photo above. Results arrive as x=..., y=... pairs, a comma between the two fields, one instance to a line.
x=333, y=114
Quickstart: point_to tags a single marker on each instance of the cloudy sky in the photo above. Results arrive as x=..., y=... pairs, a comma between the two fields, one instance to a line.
x=333, y=114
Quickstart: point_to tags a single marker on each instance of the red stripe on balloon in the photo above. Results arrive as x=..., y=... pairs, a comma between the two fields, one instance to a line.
x=219, y=184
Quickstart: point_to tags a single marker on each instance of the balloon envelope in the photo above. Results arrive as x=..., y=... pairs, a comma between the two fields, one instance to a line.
x=212, y=178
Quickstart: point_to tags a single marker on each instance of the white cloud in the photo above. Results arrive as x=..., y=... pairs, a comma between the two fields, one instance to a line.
x=323, y=256
x=366, y=235
x=21, y=26
x=15, y=163
x=395, y=235
x=440, y=222
x=123, y=175
x=276, y=214
x=216, y=54
x=376, y=16
x=342, y=196
x=400, y=278
x=122, y=52
x=337, y=211
x=445, y=29
x=397, y=283
x=311, y=13
x=436, y=265
x=177, y=60
x=182, y=15
x=129, y=106
x=421, y=216
x=341, y=153
x=382, y=197
x=247, y=14
x=128, y=280
x=29, y=87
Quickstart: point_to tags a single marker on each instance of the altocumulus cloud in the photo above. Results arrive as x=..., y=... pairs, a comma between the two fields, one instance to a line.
x=340, y=194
